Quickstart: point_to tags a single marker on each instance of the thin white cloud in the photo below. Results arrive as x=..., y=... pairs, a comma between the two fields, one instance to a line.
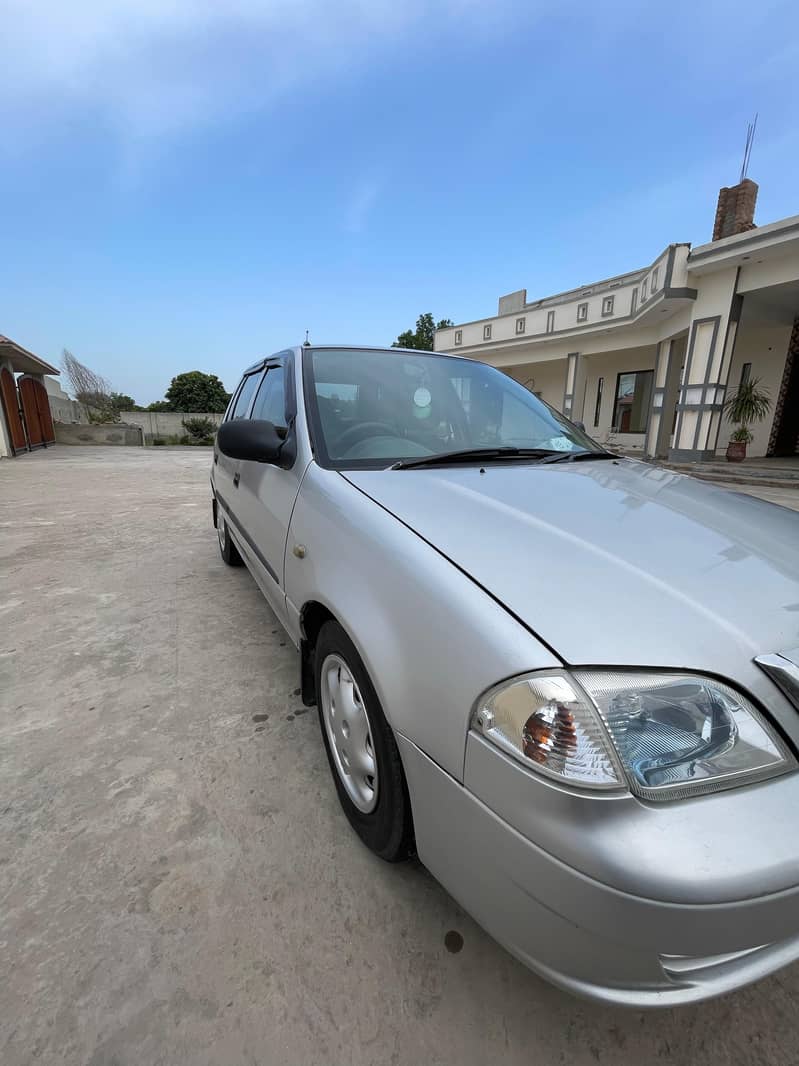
x=362, y=199
x=154, y=67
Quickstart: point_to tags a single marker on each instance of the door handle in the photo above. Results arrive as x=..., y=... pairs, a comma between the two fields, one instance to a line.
x=236, y=479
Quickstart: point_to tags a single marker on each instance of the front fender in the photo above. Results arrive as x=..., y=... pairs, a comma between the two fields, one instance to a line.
x=431, y=639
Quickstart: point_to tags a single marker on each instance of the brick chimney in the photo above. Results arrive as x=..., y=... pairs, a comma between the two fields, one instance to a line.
x=735, y=212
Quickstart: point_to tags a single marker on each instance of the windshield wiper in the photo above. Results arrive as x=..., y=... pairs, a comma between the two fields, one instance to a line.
x=575, y=457
x=475, y=455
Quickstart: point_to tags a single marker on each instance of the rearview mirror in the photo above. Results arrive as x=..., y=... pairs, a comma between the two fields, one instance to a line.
x=250, y=439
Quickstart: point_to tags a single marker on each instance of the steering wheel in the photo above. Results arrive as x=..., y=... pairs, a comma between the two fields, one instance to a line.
x=355, y=434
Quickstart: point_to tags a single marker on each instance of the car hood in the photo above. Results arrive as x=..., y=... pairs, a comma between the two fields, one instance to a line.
x=613, y=562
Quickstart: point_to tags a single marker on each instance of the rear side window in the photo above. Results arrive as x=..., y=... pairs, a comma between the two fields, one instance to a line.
x=270, y=403
x=246, y=393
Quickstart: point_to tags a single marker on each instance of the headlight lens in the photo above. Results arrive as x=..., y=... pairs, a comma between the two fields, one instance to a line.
x=665, y=735
x=679, y=734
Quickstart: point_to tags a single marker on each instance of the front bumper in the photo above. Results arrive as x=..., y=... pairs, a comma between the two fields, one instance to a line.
x=580, y=932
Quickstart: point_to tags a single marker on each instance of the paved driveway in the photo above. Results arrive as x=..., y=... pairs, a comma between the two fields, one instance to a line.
x=177, y=883
x=785, y=497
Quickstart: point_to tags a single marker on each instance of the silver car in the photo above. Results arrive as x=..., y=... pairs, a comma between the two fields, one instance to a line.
x=568, y=680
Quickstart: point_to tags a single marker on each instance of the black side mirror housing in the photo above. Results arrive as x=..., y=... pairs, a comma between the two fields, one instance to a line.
x=580, y=425
x=256, y=441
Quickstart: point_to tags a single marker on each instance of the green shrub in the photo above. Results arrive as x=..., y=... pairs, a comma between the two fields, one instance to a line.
x=199, y=430
x=157, y=440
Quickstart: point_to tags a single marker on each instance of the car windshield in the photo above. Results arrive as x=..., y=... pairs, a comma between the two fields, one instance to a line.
x=372, y=408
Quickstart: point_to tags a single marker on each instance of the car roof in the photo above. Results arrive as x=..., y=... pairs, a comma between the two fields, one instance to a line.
x=298, y=348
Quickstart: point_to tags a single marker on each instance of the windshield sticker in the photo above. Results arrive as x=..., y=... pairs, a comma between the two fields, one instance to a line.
x=422, y=397
x=561, y=444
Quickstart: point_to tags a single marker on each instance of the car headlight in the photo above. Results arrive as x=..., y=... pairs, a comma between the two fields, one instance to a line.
x=663, y=735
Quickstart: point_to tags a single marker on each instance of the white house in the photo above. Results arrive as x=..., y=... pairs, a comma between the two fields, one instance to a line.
x=645, y=359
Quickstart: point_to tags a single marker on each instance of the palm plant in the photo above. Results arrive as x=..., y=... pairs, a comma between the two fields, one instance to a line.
x=747, y=404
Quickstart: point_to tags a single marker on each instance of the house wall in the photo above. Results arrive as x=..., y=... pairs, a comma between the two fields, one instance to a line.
x=608, y=367
x=765, y=346
x=5, y=433
x=545, y=378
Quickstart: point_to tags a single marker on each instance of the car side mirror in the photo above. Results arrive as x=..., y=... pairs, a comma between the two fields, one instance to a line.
x=251, y=439
x=580, y=425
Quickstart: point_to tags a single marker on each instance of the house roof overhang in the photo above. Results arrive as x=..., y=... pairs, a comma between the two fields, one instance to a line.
x=774, y=240
x=22, y=361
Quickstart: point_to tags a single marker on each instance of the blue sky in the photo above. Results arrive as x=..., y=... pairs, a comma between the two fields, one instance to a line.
x=189, y=184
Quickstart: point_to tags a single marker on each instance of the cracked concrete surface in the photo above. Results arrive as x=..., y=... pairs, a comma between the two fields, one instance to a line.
x=177, y=883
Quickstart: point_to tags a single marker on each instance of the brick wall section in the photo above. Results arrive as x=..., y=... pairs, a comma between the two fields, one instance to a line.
x=735, y=212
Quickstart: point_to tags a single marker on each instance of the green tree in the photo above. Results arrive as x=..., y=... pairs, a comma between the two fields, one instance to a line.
x=120, y=401
x=159, y=405
x=196, y=391
x=422, y=337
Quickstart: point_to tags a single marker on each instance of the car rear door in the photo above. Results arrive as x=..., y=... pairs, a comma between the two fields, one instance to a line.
x=266, y=493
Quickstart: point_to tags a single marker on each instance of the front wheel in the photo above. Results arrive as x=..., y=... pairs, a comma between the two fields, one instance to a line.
x=227, y=549
x=361, y=748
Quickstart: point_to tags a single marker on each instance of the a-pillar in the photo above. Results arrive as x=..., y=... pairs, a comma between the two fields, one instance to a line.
x=574, y=388
x=710, y=346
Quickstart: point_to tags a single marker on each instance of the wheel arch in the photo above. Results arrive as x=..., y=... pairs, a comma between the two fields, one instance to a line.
x=313, y=616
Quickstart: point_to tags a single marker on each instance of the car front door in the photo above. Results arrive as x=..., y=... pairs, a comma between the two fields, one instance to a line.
x=227, y=471
x=266, y=493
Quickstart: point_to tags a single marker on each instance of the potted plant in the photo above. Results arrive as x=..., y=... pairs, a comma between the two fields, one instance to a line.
x=749, y=403
x=736, y=449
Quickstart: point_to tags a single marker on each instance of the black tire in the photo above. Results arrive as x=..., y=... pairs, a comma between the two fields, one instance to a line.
x=227, y=549
x=388, y=829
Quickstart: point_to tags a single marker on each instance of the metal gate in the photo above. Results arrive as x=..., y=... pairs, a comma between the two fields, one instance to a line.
x=10, y=400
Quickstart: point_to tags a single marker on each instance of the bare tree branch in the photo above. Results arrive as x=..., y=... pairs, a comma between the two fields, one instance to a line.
x=89, y=388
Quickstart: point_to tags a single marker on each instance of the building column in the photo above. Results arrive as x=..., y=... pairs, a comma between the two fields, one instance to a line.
x=701, y=400
x=574, y=387
x=6, y=447
x=666, y=383
x=656, y=421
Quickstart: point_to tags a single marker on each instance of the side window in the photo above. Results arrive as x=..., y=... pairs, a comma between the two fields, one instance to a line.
x=270, y=403
x=245, y=395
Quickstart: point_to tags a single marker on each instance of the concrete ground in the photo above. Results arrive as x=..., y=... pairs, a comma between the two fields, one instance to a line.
x=785, y=497
x=177, y=883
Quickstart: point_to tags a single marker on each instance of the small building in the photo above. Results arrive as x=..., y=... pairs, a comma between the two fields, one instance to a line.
x=645, y=359
x=25, y=418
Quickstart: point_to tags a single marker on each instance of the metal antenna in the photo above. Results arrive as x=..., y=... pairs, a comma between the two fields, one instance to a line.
x=307, y=342
x=750, y=137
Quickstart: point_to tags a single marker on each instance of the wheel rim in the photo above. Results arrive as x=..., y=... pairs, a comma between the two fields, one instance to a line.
x=349, y=733
x=221, y=532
